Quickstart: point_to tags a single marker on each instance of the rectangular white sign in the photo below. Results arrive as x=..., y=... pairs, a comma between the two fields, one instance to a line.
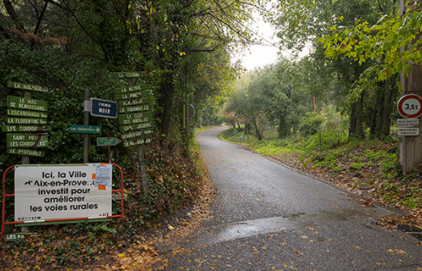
x=45, y=192
x=407, y=123
x=408, y=131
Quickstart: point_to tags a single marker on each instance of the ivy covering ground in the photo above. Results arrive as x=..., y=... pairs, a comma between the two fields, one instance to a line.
x=175, y=183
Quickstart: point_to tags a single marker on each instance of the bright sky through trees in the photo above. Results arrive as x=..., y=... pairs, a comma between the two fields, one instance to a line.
x=262, y=54
x=266, y=53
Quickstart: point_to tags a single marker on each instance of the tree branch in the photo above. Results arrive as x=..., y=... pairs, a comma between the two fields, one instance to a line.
x=80, y=24
x=57, y=4
x=201, y=50
x=40, y=18
x=12, y=13
x=188, y=4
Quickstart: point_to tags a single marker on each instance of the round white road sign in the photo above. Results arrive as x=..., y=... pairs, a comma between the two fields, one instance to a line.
x=410, y=106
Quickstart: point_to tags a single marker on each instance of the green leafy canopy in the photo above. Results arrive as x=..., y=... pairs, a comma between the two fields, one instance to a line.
x=382, y=42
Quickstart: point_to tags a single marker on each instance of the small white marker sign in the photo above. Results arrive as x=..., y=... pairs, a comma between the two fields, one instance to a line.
x=407, y=123
x=408, y=131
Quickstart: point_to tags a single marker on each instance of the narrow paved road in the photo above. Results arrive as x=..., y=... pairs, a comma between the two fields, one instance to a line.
x=268, y=217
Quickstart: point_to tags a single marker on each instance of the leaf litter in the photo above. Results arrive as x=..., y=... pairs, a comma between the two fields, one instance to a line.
x=371, y=184
x=121, y=244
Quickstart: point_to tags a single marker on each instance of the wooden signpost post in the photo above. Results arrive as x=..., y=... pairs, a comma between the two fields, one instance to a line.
x=135, y=117
x=96, y=108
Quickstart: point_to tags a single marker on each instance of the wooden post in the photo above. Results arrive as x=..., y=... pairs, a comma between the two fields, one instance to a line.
x=108, y=147
x=142, y=169
x=25, y=159
x=411, y=146
x=141, y=159
x=86, y=122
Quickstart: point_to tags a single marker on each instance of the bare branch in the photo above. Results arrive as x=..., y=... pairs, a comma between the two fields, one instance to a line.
x=11, y=11
x=40, y=18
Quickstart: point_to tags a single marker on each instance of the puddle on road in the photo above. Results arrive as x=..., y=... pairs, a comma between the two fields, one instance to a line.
x=231, y=231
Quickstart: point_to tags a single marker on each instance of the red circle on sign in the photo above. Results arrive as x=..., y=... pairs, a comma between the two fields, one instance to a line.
x=406, y=112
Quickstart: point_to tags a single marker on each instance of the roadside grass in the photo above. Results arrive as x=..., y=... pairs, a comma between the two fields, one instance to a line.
x=369, y=168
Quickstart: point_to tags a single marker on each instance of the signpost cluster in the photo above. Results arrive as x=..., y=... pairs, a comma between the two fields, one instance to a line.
x=134, y=107
x=135, y=118
x=70, y=192
x=26, y=122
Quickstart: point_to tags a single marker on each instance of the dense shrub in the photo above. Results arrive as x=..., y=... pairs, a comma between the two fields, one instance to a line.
x=311, y=123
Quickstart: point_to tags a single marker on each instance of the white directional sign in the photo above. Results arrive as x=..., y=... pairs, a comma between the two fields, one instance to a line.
x=407, y=123
x=408, y=131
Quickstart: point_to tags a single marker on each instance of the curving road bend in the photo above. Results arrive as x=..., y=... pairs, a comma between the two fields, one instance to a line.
x=268, y=217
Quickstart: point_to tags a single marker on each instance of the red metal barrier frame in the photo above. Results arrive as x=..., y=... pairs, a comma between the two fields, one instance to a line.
x=55, y=220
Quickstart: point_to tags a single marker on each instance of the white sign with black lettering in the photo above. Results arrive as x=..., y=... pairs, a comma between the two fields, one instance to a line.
x=44, y=192
x=407, y=131
x=407, y=123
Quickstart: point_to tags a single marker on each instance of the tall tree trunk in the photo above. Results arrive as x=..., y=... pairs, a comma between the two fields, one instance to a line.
x=247, y=128
x=374, y=114
x=166, y=100
x=356, y=119
x=385, y=128
x=257, y=131
x=283, y=129
x=380, y=112
x=352, y=124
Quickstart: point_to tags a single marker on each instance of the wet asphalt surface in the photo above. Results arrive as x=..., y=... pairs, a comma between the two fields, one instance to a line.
x=268, y=217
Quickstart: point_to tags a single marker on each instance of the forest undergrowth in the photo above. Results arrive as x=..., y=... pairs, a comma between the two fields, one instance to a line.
x=179, y=195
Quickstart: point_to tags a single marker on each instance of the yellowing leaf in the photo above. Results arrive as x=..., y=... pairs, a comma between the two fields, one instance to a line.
x=121, y=255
